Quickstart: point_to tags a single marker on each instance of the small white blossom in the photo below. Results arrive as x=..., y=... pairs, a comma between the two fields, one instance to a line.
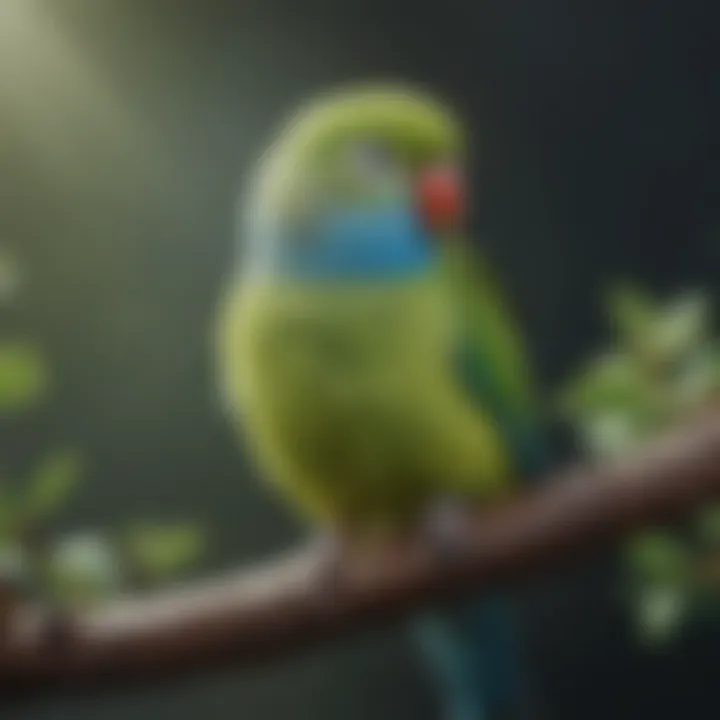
x=661, y=612
x=610, y=434
x=87, y=557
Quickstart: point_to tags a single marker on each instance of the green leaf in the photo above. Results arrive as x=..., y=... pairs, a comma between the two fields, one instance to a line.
x=708, y=525
x=632, y=313
x=660, y=557
x=662, y=611
x=699, y=379
x=24, y=377
x=610, y=434
x=52, y=485
x=682, y=326
x=160, y=552
x=613, y=381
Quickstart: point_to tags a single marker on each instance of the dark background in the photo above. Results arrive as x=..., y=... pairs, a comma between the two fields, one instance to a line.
x=126, y=128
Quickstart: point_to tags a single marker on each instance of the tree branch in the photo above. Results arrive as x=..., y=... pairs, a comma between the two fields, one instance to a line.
x=275, y=609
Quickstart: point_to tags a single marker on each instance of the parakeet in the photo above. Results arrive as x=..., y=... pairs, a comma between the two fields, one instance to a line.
x=367, y=355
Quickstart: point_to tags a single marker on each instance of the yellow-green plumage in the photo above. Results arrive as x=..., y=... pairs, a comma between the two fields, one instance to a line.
x=349, y=398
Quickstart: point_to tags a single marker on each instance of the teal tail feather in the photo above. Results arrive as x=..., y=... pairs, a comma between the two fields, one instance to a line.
x=473, y=650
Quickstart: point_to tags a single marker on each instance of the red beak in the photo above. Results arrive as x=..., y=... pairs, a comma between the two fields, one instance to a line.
x=441, y=197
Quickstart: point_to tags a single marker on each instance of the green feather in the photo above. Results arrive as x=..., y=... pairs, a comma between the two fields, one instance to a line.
x=492, y=357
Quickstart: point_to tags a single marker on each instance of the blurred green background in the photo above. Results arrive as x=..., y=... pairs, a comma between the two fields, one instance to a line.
x=126, y=129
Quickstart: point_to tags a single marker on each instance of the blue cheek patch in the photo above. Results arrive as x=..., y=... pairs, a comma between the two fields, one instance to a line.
x=360, y=243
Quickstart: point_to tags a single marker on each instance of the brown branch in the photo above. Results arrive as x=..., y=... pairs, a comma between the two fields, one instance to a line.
x=274, y=610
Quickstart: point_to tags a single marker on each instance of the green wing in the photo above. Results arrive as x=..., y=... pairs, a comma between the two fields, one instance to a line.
x=492, y=361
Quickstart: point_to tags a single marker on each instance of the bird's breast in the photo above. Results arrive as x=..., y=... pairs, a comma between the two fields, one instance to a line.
x=348, y=347
x=348, y=397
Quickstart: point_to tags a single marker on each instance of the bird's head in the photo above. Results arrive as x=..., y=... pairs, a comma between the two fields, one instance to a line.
x=364, y=183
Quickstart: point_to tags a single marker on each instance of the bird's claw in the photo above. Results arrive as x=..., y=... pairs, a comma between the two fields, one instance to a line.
x=443, y=528
x=324, y=576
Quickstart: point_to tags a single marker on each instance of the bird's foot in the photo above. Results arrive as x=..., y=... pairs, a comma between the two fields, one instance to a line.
x=324, y=577
x=443, y=527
